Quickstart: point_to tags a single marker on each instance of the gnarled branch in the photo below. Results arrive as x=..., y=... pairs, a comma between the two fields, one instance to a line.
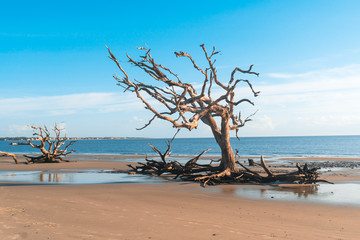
x=9, y=155
x=52, y=149
x=182, y=104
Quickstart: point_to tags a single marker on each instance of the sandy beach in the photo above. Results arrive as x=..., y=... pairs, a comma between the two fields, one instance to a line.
x=188, y=120
x=169, y=210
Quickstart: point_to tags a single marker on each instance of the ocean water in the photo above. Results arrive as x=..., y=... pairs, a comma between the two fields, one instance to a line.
x=345, y=146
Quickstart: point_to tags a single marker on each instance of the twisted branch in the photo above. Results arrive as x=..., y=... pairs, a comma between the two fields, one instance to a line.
x=184, y=98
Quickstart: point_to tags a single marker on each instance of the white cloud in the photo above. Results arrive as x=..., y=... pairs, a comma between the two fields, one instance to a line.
x=311, y=103
x=279, y=75
x=352, y=68
x=68, y=104
x=61, y=112
x=337, y=121
x=261, y=123
x=266, y=122
x=325, y=80
x=138, y=119
x=324, y=101
x=62, y=127
x=26, y=130
x=20, y=130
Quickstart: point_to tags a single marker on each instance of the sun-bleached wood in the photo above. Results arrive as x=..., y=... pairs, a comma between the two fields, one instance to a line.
x=184, y=106
x=9, y=155
x=50, y=147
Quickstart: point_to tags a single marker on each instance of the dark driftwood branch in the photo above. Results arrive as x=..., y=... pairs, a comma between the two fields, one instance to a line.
x=209, y=174
x=194, y=160
x=267, y=170
x=167, y=153
x=214, y=174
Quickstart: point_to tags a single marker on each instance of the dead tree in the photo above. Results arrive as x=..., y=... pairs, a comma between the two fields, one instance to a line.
x=184, y=106
x=53, y=149
x=2, y=154
x=193, y=171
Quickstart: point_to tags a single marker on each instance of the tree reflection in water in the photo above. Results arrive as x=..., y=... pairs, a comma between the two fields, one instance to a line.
x=50, y=177
x=300, y=191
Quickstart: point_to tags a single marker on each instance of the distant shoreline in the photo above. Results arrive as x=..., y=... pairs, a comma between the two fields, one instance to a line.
x=116, y=138
x=335, y=146
x=69, y=138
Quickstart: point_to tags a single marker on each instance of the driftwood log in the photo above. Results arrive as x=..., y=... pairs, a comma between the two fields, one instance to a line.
x=2, y=154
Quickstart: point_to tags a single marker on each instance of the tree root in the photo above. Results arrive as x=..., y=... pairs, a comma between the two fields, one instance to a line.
x=153, y=167
x=208, y=174
x=44, y=159
x=205, y=179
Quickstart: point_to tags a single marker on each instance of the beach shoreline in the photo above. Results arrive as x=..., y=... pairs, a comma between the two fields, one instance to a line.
x=346, y=169
x=168, y=210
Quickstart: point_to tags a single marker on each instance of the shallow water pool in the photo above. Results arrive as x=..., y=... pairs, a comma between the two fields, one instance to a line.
x=344, y=193
x=74, y=177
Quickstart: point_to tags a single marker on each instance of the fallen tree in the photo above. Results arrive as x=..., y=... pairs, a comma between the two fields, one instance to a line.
x=212, y=174
x=184, y=106
x=52, y=149
x=6, y=154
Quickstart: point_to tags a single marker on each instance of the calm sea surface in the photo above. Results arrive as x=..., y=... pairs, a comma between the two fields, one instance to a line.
x=247, y=146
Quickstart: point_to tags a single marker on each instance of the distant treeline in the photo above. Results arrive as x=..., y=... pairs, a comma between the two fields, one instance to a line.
x=14, y=138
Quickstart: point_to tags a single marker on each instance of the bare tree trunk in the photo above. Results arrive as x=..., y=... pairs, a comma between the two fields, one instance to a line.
x=222, y=138
x=227, y=153
x=227, y=156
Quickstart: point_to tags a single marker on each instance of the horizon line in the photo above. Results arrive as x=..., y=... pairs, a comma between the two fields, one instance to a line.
x=109, y=138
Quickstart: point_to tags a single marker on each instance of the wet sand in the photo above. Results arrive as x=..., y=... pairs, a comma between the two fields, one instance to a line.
x=171, y=210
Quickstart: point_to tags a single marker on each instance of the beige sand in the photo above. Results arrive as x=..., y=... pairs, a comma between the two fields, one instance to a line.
x=322, y=159
x=159, y=211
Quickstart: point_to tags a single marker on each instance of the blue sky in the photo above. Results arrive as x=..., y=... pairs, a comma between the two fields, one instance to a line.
x=54, y=66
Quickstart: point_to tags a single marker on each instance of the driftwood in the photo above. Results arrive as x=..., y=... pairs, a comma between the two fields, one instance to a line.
x=2, y=154
x=214, y=174
x=251, y=162
x=50, y=147
x=154, y=167
x=184, y=105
